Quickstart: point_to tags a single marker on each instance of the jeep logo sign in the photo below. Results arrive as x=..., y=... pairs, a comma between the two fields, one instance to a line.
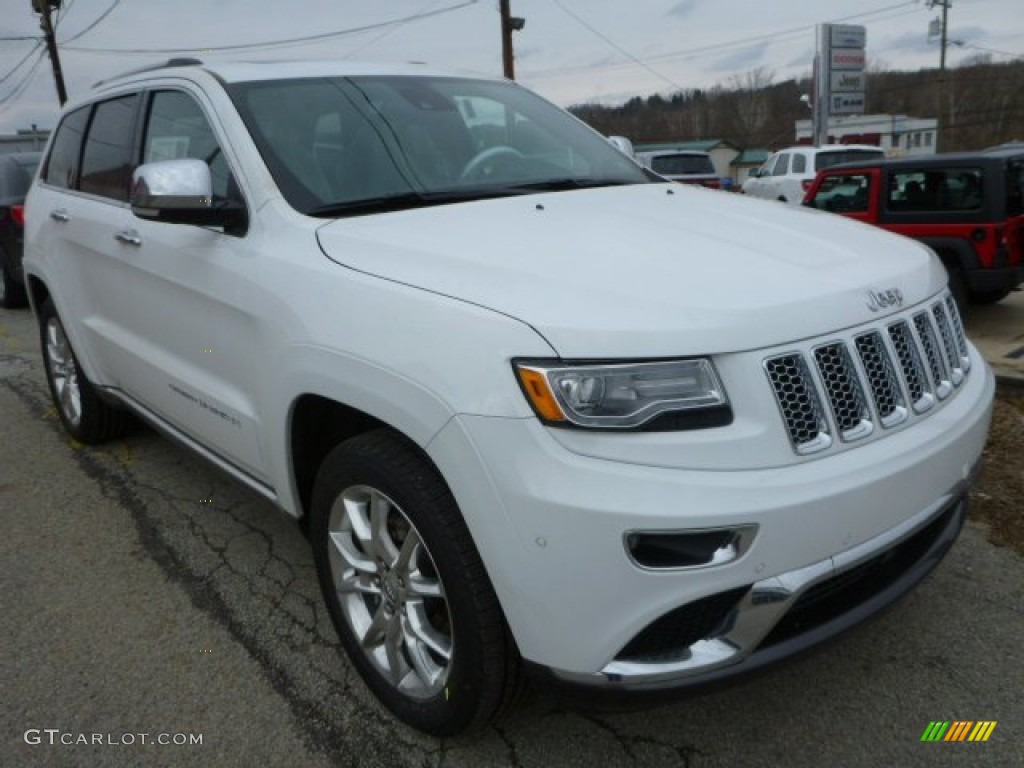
x=879, y=300
x=846, y=82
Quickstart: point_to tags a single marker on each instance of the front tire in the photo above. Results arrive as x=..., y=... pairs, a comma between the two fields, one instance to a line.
x=406, y=588
x=84, y=415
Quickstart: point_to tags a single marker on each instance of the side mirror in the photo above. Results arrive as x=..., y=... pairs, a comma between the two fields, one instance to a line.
x=181, y=192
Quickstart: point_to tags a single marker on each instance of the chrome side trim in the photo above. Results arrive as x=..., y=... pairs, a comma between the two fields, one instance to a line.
x=759, y=611
x=169, y=430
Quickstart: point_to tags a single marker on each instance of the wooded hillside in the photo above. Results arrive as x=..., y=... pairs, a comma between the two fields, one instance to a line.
x=984, y=106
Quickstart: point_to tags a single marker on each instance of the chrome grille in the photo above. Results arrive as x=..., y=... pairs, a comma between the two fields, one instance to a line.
x=958, y=334
x=921, y=398
x=882, y=382
x=799, y=401
x=843, y=391
x=932, y=353
x=847, y=387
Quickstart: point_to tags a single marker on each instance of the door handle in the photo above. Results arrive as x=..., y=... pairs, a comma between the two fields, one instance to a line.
x=129, y=236
x=60, y=215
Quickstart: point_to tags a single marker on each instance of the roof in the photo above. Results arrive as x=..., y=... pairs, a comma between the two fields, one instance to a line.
x=991, y=156
x=703, y=145
x=242, y=71
x=751, y=157
x=671, y=151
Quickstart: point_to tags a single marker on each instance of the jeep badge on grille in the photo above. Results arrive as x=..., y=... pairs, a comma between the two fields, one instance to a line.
x=879, y=300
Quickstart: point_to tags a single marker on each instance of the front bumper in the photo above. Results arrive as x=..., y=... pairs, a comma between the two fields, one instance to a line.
x=550, y=526
x=786, y=614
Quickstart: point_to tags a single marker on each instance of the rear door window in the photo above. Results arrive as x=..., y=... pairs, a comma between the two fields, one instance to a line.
x=62, y=163
x=936, y=190
x=799, y=163
x=107, y=157
x=679, y=165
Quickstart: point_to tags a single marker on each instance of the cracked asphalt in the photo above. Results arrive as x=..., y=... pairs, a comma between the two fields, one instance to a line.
x=146, y=593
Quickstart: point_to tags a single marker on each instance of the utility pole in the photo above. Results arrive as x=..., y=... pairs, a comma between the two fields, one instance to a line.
x=945, y=36
x=42, y=7
x=942, y=141
x=509, y=24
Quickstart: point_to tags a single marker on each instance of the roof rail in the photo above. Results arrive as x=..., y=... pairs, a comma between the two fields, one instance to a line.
x=175, y=62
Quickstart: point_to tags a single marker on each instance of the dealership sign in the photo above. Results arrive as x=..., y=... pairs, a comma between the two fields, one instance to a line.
x=848, y=36
x=847, y=104
x=846, y=82
x=847, y=58
x=840, y=81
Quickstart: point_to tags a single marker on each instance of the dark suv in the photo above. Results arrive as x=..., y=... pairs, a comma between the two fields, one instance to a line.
x=16, y=172
x=967, y=207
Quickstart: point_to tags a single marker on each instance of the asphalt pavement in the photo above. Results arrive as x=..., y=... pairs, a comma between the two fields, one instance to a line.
x=998, y=331
x=146, y=593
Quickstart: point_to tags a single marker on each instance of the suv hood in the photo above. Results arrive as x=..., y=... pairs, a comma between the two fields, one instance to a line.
x=643, y=271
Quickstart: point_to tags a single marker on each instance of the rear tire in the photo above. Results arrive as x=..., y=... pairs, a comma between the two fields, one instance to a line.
x=406, y=589
x=84, y=415
x=12, y=290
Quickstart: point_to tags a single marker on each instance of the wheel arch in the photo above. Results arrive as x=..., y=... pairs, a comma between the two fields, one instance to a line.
x=318, y=424
x=38, y=292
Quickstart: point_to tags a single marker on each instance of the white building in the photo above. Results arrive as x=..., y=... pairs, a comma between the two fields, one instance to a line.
x=898, y=135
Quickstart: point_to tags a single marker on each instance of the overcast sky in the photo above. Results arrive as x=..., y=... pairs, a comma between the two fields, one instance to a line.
x=571, y=51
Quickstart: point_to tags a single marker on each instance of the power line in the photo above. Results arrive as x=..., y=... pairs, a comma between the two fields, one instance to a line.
x=92, y=26
x=388, y=31
x=771, y=37
x=24, y=58
x=281, y=43
x=618, y=47
x=19, y=89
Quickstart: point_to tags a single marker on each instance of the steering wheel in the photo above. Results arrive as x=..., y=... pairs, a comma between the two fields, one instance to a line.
x=478, y=166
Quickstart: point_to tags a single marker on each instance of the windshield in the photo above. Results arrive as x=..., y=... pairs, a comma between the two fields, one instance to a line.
x=361, y=144
x=828, y=159
x=680, y=165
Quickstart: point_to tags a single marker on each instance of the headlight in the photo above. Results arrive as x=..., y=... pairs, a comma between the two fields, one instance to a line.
x=678, y=394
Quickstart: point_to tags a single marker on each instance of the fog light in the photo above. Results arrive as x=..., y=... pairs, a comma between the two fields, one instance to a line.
x=689, y=549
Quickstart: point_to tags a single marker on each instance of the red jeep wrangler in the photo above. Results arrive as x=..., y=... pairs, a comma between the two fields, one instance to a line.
x=967, y=207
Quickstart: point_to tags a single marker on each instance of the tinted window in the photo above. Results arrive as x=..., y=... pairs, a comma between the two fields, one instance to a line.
x=944, y=189
x=1015, y=187
x=62, y=164
x=107, y=158
x=781, y=165
x=678, y=165
x=844, y=193
x=828, y=159
x=369, y=143
x=177, y=128
x=799, y=164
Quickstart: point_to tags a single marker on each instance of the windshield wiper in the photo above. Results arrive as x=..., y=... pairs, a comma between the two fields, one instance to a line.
x=570, y=182
x=411, y=200
x=371, y=205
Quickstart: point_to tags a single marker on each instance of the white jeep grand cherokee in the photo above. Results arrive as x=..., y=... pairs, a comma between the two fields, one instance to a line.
x=541, y=410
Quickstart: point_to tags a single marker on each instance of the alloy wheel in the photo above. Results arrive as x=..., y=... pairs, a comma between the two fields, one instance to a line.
x=389, y=591
x=63, y=372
